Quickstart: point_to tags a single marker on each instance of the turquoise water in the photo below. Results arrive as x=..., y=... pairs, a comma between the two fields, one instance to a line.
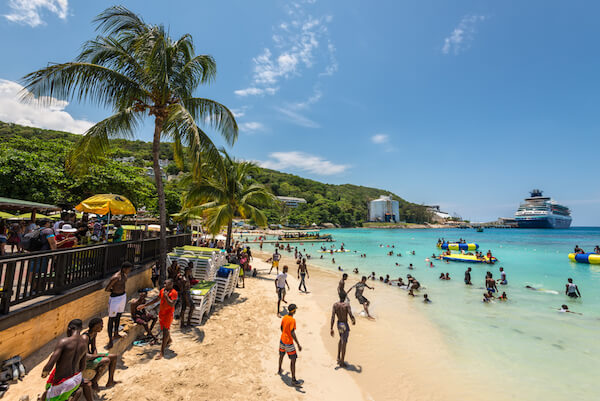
x=525, y=346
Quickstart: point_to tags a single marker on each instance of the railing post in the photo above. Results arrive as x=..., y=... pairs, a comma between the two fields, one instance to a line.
x=60, y=265
x=105, y=262
x=7, y=289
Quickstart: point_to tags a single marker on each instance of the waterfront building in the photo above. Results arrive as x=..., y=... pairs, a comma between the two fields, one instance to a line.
x=291, y=201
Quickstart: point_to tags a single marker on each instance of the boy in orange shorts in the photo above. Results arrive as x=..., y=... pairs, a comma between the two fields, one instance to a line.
x=286, y=343
x=168, y=298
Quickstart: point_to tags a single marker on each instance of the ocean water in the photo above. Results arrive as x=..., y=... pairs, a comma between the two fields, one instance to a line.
x=524, y=347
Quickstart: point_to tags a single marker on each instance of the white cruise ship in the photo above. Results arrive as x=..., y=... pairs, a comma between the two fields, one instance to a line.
x=540, y=211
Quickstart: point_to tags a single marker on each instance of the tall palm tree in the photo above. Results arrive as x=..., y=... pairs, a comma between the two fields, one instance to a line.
x=138, y=70
x=225, y=191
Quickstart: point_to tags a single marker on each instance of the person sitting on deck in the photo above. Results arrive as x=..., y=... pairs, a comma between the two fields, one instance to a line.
x=96, y=361
x=142, y=317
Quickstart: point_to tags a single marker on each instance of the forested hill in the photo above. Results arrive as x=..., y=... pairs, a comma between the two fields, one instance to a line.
x=32, y=168
x=344, y=205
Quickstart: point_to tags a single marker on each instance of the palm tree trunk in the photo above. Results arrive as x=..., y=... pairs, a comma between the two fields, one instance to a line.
x=162, y=208
x=229, y=229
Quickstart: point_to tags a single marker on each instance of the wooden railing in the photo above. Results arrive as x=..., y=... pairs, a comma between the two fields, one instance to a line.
x=26, y=276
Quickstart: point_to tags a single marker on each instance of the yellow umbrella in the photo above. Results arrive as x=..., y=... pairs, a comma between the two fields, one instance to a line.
x=104, y=204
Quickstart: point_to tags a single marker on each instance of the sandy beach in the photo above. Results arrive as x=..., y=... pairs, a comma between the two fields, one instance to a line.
x=233, y=356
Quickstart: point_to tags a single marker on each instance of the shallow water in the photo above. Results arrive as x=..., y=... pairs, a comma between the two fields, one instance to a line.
x=528, y=348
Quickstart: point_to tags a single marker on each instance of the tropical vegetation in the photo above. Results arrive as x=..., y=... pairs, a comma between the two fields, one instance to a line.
x=138, y=70
x=223, y=191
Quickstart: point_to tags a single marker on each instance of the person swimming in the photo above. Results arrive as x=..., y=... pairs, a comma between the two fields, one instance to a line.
x=503, y=297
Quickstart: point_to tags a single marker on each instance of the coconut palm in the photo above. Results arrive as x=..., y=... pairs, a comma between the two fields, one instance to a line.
x=137, y=70
x=224, y=191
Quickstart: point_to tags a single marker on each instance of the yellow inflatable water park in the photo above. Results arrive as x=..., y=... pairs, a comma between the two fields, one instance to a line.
x=469, y=258
x=456, y=246
x=591, y=258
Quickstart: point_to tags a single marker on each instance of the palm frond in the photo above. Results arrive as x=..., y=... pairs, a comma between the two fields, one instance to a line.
x=215, y=114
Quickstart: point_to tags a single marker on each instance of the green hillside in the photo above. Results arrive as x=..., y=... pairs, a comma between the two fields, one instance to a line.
x=32, y=168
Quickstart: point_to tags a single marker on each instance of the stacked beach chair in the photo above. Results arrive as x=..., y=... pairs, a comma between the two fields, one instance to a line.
x=203, y=294
x=206, y=260
x=226, y=279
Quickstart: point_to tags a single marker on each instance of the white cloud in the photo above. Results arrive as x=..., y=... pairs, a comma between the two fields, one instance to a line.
x=239, y=113
x=252, y=91
x=302, y=161
x=380, y=138
x=251, y=126
x=28, y=12
x=52, y=116
x=297, y=118
x=298, y=45
x=461, y=37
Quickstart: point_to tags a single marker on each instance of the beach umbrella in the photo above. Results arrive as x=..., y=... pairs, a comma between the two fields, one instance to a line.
x=104, y=204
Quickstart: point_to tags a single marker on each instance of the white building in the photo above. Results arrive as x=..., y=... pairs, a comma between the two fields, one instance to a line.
x=290, y=201
x=384, y=209
x=435, y=209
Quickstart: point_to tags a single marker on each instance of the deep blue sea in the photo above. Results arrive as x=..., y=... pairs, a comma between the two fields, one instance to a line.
x=524, y=344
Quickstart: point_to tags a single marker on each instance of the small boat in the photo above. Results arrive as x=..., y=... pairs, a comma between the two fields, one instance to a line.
x=479, y=229
x=469, y=258
x=456, y=246
x=591, y=258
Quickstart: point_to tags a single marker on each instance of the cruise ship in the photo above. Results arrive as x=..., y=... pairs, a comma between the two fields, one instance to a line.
x=540, y=211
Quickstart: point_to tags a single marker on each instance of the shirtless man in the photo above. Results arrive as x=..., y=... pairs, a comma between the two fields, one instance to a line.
x=490, y=283
x=341, y=285
x=186, y=296
x=117, y=301
x=360, y=287
x=66, y=378
x=468, y=276
x=302, y=274
x=342, y=309
x=96, y=361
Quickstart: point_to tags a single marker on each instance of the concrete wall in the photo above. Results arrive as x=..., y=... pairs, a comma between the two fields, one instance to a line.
x=25, y=338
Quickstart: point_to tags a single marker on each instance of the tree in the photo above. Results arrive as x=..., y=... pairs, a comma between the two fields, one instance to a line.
x=138, y=70
x=224, y=191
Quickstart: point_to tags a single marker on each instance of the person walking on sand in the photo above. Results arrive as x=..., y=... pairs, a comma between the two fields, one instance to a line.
x=64, y=381
x=302, y=275
x=571, y=289
x=167, y=298
x=99, y=361
x=117, y=301
x=286, y=342
x=275, y=261
x=280, y=284
x=360, y=287
x=342, y=309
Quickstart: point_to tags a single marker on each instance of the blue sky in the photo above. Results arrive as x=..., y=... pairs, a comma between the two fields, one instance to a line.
x=465, y=104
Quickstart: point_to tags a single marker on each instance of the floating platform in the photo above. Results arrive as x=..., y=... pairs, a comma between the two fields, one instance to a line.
x=590, y=258
x=469, y=259
x=456, y=246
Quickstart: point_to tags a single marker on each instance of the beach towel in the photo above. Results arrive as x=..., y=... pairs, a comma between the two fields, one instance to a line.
x=62, y=390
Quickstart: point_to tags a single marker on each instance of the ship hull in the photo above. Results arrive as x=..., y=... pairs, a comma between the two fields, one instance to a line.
x=544, y=222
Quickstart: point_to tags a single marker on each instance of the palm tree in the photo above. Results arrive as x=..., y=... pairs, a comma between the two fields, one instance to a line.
x=224, y=191
x=138, y=70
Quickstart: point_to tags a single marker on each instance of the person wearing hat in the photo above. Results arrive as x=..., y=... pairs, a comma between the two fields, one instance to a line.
x=142, y=317
x=66, y=237
x=286, y=342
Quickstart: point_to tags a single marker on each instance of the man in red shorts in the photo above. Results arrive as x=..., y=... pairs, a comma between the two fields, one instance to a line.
x=167, y=297
x=286, y=343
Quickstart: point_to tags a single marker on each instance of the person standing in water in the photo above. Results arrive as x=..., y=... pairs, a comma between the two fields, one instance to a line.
x=502, y=279
x=571, y=289
x=468, y=277
x=342, y=309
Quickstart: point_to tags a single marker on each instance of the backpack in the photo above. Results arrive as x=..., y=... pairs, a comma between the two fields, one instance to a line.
x=32, y=241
